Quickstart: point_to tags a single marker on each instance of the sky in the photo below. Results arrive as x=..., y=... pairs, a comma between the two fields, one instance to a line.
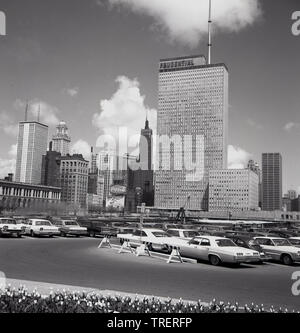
x=94, y=64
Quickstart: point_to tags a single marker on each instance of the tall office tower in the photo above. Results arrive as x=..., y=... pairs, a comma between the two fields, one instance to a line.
x=61, y=140
x=193, y=105
x=51, y=168
x=32, y=145
x=74, y=171
x=93, y=161
x=292, y=194
x=106, y=163
x=140, y=182
x=254, y=166
x=271, y=181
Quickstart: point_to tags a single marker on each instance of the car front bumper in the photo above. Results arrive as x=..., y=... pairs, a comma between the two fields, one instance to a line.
x=247, y=259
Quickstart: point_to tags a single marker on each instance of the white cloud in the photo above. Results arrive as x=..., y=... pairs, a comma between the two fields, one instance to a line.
x=13, y=150
x=254, y=124
x=186, y=20
x=125, y=109
x=81, y=147
x=48, y=113
x=237, y=157
x=72, y=92
x=6, y=167
x=290, y=126
x=8, y=125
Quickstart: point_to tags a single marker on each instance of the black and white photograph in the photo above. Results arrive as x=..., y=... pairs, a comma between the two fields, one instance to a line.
x=149, y=159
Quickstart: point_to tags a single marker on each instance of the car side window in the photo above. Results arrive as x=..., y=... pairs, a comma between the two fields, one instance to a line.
x=205, y=242
x=194, y=242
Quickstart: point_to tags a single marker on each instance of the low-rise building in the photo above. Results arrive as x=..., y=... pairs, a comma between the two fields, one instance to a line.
x=233, y=190
x=15, y=195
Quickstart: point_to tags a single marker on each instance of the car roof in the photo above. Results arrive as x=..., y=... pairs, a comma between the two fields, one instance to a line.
x=271, y=237
x=42, y=220
x=210, y=237
x=173, y=229
x=152, y=230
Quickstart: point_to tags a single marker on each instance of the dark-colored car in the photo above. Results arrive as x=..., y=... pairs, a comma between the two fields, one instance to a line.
x=96, y=228
x=249, y=243
x=281, y=233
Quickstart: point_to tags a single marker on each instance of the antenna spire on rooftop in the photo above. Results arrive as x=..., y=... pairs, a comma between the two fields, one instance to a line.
x=39, y=113
x=209, y=34
x=26, y=111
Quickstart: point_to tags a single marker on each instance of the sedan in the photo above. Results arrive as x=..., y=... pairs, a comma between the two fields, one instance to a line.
x=217, y=250
x=39, y=227
x=9, y=227
x=279, y=249
x=70, y=228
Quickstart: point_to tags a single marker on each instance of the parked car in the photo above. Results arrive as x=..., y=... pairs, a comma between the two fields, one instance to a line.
x=279, y=249
x=183, y=233
x=217, y=250
x=40, y=227
x=9, y=227
x=70, y=228
x=98, y=228
x=156, y=239
x=281, y=233
x=249, y=243
x=295, y=241
x=21, y=222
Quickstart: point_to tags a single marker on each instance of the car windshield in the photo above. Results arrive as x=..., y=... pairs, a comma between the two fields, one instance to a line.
x=281, y=242
x=42, y=223
x=190, y=234
x=71, y=223
x=8, y=221
x=160, y=234
x=225, y=243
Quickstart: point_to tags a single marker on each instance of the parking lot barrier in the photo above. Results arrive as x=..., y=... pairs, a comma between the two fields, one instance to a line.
x=125, y=245
x=174, y=254
x=142, y=249
x=105, y=243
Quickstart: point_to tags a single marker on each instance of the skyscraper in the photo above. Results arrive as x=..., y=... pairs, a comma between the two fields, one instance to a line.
x=61, y=140
x=32, y=145
x=193, y=105
x=51, y=168
x=271, y=181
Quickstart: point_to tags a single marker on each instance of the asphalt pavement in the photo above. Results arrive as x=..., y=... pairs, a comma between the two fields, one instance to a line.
x=78, y=262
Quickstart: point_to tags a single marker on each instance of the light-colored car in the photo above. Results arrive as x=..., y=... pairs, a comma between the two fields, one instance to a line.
x=40, y=227
x=217, y=250
x=295, y=241
x=9, y=227
x=71, y=228
x=279, y=249
x=183, y=233
x=156, y=239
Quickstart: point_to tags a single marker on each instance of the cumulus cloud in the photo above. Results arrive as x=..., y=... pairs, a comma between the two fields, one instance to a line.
x=13, y=150
x=48, y=113
x=237, y=157
x=290, y=126
x=254, y=124
x=81, y=147
x=8, y=125
x=126, y=109
x=72, y=92
x=186, y=20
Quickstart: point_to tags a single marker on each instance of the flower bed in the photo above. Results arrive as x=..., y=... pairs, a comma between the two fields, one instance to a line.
x=21, y=301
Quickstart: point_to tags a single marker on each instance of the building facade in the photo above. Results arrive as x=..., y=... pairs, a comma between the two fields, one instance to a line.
x=74, y=180
x=14, y=195
x=254, y=166
x=61, y=140
x=51, y=168
x=233, y=190
x=271, y=181
x=192, y=126
x=106, y=162
x=32, y=145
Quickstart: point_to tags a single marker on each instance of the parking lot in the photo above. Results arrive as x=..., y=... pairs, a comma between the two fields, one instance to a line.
x=79, y=262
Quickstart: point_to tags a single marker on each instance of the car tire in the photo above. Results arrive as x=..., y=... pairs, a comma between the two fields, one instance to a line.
x=214, y=260
x=19, y=235
x=63, y=234
x=32, y=234
x=92, y=234
x=150, y=247
x=287, y=260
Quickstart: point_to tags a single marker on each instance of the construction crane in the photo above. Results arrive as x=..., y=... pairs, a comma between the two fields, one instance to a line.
x=181, y=213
